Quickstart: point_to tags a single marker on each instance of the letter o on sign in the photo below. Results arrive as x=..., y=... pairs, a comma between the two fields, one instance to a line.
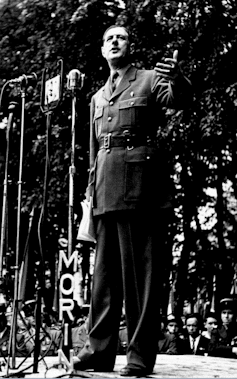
x=67, y=291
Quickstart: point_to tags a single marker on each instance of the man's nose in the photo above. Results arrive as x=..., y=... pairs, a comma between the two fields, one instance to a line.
x=115, y=39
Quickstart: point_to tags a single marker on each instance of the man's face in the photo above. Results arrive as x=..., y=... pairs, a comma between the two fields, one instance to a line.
x=210, y=324
x=172, y=327
x=227, y=316
x=116, y=44
x=192, y=326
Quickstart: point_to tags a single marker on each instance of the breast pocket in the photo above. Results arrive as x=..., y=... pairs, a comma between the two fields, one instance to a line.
x=132, y=112
x=98, y=116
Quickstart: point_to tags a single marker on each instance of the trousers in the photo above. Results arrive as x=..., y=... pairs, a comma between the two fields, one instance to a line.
x=127, y=272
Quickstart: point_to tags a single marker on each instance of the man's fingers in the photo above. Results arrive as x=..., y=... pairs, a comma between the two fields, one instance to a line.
x=175, y=55
x=163, y=65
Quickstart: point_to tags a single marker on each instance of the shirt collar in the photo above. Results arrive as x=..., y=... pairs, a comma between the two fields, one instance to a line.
x=191, y=338
x=120, y=71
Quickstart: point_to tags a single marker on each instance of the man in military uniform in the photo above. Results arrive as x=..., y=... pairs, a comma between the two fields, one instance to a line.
x=224, y=339
x=129, y=182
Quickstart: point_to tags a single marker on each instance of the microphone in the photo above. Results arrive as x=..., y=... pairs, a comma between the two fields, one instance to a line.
x=25, y=79
x=75, y=79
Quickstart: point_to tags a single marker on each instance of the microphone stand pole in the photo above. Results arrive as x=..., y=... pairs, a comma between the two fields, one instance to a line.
x=75, y=82
x=72, y=171
x=11, y=109
x=16, y=281
x=47, y=108
x=41, y=229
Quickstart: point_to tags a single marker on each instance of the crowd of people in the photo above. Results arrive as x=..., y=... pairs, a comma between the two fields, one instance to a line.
x=50, y=332
x=213, y=335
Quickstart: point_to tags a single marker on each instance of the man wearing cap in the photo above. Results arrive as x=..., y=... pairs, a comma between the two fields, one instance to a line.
x=224, y=339
x=170, y=341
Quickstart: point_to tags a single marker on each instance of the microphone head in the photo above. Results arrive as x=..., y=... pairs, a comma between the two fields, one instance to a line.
x=25, y=80
x=29, y=80
x=73, y=79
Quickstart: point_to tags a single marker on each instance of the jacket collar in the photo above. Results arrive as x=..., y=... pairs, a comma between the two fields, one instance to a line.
x=129, y=76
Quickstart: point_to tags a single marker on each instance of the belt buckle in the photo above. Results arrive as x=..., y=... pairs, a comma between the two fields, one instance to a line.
x=107, y=140
x=128, y=137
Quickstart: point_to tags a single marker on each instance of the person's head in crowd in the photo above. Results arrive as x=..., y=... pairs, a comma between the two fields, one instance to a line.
x=46, y=319
x=193, y=324
x=172, y=324
x=3, y=318
x=29, y=311
x=210, y=323
x=49, y=317
x=228, y=311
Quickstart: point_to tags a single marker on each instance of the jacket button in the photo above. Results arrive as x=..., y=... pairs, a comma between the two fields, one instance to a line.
x=109, y=118
x=111, y=103
x=132, y=103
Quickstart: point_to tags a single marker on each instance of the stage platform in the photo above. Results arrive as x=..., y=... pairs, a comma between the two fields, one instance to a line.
x=167, y=366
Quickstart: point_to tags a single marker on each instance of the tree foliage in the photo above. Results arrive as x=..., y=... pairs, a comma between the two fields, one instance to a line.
x=200, y=142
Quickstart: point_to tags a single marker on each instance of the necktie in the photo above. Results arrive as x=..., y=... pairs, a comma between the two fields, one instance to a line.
x=193, y=345
x=113, y=81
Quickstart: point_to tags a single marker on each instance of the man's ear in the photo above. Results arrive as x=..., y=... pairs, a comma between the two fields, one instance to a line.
x=102, y=50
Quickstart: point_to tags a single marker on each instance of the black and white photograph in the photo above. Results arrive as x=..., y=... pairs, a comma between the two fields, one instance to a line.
x=118, y=189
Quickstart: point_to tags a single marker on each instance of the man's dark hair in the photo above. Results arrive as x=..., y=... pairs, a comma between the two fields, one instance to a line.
x=195, y=315
x=211, y=314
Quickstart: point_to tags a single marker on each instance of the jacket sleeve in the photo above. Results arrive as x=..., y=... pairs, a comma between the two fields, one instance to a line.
x=174, y=93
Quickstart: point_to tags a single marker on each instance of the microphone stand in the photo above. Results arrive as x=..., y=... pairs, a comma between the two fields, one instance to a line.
x=11, y=108
x=75, y=82
x=12, y=344
x=47, y=108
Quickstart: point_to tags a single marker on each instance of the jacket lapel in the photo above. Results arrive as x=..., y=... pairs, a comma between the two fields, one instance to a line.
x=106, y=90
x=129, y=76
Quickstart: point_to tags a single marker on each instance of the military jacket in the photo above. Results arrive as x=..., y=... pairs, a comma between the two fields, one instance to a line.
x=127, y=170
x=222, y=341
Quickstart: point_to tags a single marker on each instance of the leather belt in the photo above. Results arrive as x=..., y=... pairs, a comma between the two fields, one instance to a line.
x=127, y=140
x=108, y=141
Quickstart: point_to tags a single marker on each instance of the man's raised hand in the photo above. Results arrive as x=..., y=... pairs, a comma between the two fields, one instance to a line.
x=170, y=69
